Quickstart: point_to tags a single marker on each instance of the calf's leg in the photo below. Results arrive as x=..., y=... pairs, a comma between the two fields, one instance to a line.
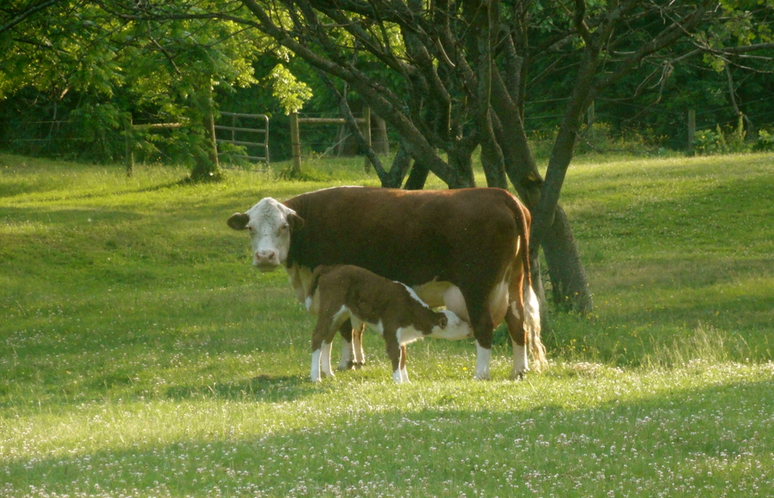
x=403, y=360
x=394, y=353
x=357, y=345
x=347, y=348
x=322, y=340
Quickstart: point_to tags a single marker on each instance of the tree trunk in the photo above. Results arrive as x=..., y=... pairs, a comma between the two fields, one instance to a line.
x=400, y=166
x=569, y=282
x=417, y=177
x=206, y=165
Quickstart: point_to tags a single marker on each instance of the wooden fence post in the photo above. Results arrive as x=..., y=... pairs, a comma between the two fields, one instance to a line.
x=367, y=133
x=129, y=158
x=295, y=144
x=590, y=114
x=691, y=128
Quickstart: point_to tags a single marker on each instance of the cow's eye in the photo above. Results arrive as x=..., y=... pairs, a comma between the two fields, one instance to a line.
x=284, y=228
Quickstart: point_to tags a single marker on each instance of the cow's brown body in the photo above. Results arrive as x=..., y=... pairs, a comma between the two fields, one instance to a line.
x=466, y=249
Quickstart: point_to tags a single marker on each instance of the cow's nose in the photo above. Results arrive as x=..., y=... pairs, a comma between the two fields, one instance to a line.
x=265, y=256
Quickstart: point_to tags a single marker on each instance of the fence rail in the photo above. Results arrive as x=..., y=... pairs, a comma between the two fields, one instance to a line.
x=262, y=128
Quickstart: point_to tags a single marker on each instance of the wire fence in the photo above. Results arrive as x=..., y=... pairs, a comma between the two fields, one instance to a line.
x=74, y=139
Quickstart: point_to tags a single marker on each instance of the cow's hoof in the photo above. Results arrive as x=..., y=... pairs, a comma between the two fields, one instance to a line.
x=517, y=376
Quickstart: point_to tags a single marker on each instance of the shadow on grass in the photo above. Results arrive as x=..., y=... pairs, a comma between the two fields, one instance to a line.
x=269, y=388
x=714, y=438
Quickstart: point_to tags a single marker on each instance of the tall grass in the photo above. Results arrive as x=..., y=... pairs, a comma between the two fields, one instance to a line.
x=140, y=355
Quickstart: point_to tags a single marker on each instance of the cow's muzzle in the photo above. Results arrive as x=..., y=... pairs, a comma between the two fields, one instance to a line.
x=266, y=260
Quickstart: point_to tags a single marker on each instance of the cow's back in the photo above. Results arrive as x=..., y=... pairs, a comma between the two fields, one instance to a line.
x=410, y=236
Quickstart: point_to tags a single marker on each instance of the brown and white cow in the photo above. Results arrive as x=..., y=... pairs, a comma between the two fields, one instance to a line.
x=465, y=249
x=342, y=292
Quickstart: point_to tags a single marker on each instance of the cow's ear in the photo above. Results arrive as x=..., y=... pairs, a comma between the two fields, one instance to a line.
x=238, y=221
x=295, y=221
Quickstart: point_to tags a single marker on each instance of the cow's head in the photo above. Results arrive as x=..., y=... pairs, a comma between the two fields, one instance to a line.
x=270, y=223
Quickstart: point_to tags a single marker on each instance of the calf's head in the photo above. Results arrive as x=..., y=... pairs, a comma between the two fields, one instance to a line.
x=270, y=223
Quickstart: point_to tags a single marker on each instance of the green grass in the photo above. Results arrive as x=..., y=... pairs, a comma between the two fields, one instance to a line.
x=140, y=355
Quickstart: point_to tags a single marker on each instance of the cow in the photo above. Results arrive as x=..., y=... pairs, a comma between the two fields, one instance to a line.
x=465, y=249
x=340, y=292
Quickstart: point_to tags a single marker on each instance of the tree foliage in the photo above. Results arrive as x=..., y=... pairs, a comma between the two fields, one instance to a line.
x=448, y=76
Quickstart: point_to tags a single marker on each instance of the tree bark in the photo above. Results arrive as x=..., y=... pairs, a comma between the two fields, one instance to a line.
x=417, y=177
x=206, y=165
x=400, y=166
x=569, y=282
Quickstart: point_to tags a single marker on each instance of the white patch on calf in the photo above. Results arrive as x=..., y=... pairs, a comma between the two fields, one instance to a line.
x=455, y=329
x=482, y=362
x=414, y=295
x=407, y=335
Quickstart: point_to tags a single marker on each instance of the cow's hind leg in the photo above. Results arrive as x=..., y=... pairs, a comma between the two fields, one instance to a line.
x=523, y=320
x=514, y=319
x=483, y=330
x=515, y=322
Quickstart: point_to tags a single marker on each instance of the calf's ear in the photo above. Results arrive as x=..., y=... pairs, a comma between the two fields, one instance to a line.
x=295, y=221
x=238, y=221
x=443, y=321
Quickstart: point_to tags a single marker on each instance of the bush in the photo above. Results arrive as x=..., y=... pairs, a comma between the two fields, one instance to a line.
x=722, y=141
x=765, y=141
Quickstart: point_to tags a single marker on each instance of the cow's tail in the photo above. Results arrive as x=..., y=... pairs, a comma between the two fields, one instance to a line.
x=531, y=302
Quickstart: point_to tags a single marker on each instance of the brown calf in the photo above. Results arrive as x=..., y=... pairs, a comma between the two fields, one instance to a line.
x=342, y=292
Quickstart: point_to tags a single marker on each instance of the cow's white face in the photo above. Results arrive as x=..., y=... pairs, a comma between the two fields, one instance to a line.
x=270, y=224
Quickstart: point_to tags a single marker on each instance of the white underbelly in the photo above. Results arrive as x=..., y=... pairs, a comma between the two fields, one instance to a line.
x=437, y=294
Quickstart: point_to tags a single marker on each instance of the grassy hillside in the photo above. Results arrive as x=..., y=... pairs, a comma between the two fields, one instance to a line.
x=140, y=355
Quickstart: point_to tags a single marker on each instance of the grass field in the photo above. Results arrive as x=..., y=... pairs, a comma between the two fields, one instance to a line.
x=140, y=354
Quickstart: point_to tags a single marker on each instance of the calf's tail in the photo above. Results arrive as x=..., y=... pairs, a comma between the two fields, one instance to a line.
x=313, y=287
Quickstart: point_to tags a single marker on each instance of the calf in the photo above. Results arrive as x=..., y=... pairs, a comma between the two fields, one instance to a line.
x=342, y=292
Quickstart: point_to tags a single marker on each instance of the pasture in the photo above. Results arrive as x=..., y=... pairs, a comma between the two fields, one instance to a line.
x=141, y=355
